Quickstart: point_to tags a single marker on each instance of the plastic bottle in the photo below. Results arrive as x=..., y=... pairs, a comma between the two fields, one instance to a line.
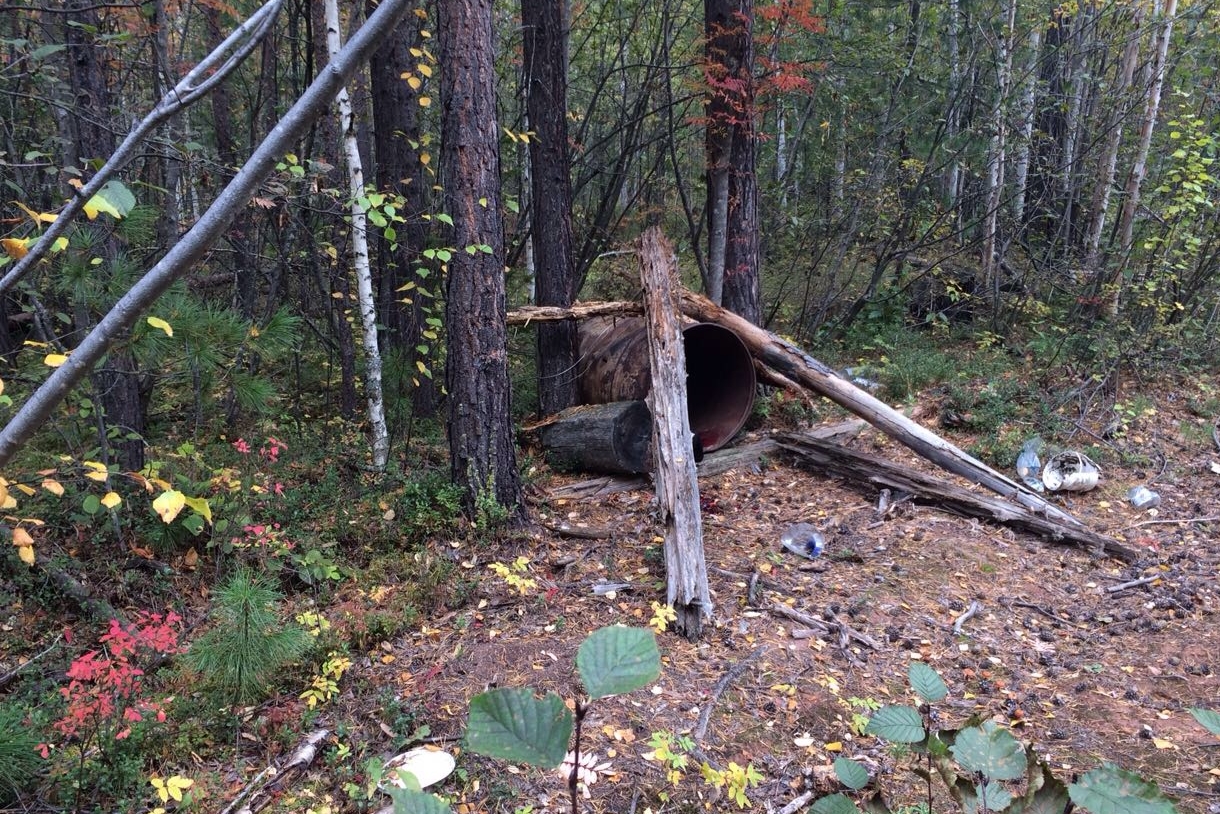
x=804, y=540
x=1029, y=468
x=1141, y=497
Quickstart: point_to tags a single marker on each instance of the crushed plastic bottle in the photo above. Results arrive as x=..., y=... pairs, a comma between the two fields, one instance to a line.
x=1141, y=497
x=803, y=540
x=1029, y=468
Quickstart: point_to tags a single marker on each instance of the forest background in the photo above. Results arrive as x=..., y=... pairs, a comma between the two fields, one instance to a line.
x=1013, y=202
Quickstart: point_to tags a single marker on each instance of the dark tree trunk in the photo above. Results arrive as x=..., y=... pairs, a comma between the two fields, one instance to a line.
x=396, y=134
x=238, y=235
x=546, y=78
x=482, y=456
x=731, y=276
x=118, y=383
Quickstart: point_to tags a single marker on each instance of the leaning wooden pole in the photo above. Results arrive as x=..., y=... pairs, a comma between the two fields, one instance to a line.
x=676, y=479
x=790, y=361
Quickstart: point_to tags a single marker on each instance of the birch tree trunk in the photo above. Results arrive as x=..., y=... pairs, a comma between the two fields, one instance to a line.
x=1028, y=94
x=360, y=255
x=1131, y=198
x=1109, y=157
x=995, y=162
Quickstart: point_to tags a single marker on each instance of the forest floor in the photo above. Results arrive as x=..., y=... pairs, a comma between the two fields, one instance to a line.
x=1081, y=673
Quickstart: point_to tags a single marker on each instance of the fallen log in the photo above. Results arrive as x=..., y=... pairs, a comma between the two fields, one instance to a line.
x=581, y=310
x=791, y=362
x=714, y=463
x=615, y=437
x=861, y=467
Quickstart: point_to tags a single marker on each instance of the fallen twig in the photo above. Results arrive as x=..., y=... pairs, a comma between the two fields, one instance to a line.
x=1178, y=521
x=797, y=803
x=730, y=675
x=1017, y=603
x=1135, y=583
x=255, y=795
x=8, y=677
x=971, y=612
x=825, y=628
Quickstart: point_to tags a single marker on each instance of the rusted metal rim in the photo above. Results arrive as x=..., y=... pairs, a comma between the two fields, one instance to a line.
x=720, y=381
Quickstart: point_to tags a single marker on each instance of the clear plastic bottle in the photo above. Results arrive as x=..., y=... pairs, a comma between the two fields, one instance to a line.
x=1029, y=468
x=804, y=540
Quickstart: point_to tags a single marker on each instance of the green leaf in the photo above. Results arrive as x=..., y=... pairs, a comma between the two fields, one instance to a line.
x=1045, y=793
x=616, y=659
x=834, y=804
x=926, y=682
x=407, y=801
x=897, y=724
x=1209, y=718
x=91, y=504
x=511, y=724
x=993, y=797
x=193, y=524
x=851, y=773
x=1111, y=790
x=991, y=751
x=114, y=199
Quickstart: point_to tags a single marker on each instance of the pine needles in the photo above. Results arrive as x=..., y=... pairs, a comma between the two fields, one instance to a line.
x=249, y=644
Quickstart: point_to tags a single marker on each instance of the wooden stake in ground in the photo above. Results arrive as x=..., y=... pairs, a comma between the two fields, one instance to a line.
x=677, y=482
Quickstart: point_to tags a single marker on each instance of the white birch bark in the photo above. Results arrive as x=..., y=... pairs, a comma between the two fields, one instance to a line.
x=995, y=161
x=1028, y=93
x=360, y=256
x=1109, y=157
x=1131, y=199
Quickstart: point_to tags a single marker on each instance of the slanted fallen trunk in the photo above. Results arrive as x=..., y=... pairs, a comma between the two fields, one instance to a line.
x=861, y=467
x=793, y=363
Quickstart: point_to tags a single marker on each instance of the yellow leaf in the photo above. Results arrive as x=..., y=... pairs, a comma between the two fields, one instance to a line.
x=37, y=217
x=169, y=504
x=59, y=245
x=3, y=492
x=1, y=387
x=26, y=553
x=21, y=537
x=414, y=81
x=834, y=746
x=15, y=247
x=425, y=34
x=425, y=101
x=90, y=209
x=8, y=503
x=200, y=507
x=96, y=471
x=421, y=14
x=54, y=359
x=161, y=325
x=99, y=203
x=1161, y=743
x=25, y=489
x=424, y=69
x=425, y=158
x=54, y=487
x=415, y=52
x=112, y=500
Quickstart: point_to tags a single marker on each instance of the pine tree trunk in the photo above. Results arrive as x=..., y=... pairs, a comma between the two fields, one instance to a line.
x=399, y=170
x=481, y=450
x=740, y=289
x=545, y=37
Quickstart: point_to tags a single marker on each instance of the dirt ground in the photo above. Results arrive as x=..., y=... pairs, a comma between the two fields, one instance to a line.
x=1082, y=672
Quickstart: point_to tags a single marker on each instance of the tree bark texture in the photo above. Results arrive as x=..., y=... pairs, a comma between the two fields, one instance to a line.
x=482, y=456
x=675, y=475
x=396, y=136
x=118, y=382
x=544, y=35
x=740, y=291
x=360, y=256
x=730, y=140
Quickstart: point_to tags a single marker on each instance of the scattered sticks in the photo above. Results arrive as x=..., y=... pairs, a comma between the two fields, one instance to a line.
x=971, y=612
x=1134, y=583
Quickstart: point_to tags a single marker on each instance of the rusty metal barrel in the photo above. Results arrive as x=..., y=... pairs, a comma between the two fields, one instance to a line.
x=720, y=381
